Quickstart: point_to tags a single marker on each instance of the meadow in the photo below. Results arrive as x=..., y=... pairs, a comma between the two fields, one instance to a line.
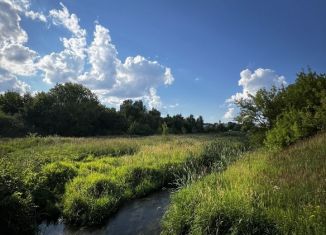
x=85, y=180
x=264, y=192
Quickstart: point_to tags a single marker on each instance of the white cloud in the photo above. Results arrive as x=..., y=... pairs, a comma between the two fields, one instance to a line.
x=23, y=6
x=251, y=82
x=17, y=59
x=60, y=67
x=95, y=65
x=137, y=75
x=154, y=101
x=102, y=56
x=98, y=66
x=230, y=114
x=36, y=16
x=69, y=21
x=9, y=82
x=10, y=30
x=67, y=65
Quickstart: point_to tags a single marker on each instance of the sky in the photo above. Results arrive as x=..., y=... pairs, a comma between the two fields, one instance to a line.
x=185, y=56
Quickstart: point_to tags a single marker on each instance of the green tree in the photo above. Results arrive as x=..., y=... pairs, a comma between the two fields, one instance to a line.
x=286, y=114
x=261, y=110
x=11, y=102
x=200, y=124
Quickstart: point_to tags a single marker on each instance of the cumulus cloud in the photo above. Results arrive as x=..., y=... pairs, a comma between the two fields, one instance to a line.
x=138, y=75
x=65, y=66
x=10, y=30
x=9, y=82
x=251, y=82
x=98, y=66
x=95, y=65
x=15, y=57
x=102, y=57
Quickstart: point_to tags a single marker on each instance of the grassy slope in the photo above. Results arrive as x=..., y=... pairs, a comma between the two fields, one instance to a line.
x=263, y=193
x=86, y=179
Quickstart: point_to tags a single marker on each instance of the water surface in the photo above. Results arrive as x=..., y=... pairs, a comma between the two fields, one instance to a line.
x=140, y=216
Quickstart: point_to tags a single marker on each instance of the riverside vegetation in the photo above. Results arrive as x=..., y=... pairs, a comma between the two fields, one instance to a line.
x=276, y=188
x=85, y=180
x=262, y=193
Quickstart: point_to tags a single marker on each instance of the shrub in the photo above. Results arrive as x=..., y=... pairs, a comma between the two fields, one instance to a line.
x=17, y=211
x=11, y=126
x=290, y=127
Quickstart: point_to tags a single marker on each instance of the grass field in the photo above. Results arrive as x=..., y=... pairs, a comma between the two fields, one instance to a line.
x=262, y=193
x=86, y=179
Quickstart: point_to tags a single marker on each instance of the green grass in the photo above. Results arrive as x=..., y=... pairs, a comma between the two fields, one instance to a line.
x=262, y=193
x=85, y=180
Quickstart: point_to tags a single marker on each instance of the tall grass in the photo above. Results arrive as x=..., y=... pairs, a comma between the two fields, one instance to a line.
x=86, y=179
x=263, y=193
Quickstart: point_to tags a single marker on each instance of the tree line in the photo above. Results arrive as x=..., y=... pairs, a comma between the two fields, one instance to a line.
x=73, y=110
x=279, y=117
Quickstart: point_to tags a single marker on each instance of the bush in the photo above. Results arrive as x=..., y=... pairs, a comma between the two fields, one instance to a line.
x=290, y=127
x=17, y=211
x=11, y=126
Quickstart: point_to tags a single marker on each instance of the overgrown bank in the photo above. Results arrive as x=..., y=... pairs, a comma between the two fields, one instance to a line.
x=263, y=193
x=86, y=179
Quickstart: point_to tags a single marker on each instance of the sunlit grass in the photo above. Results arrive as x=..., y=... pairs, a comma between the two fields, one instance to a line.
x=86, y=179
x=263, y=193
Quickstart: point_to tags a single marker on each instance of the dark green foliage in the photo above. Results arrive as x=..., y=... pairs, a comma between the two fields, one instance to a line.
x=177, y=124
x=12, y=108
x=67, y=109
x=221, y=127
x=11, y=125
x=11, y=102
x=137, y=128
x=17, y=210
x=73, y=110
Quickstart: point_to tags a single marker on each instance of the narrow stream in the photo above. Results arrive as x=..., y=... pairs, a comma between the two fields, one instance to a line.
x=140, y=216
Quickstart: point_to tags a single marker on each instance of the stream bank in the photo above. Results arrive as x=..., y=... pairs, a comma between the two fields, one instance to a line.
x=139, y=216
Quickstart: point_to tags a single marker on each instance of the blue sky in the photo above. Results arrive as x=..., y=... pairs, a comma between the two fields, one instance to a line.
x=204, y=44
